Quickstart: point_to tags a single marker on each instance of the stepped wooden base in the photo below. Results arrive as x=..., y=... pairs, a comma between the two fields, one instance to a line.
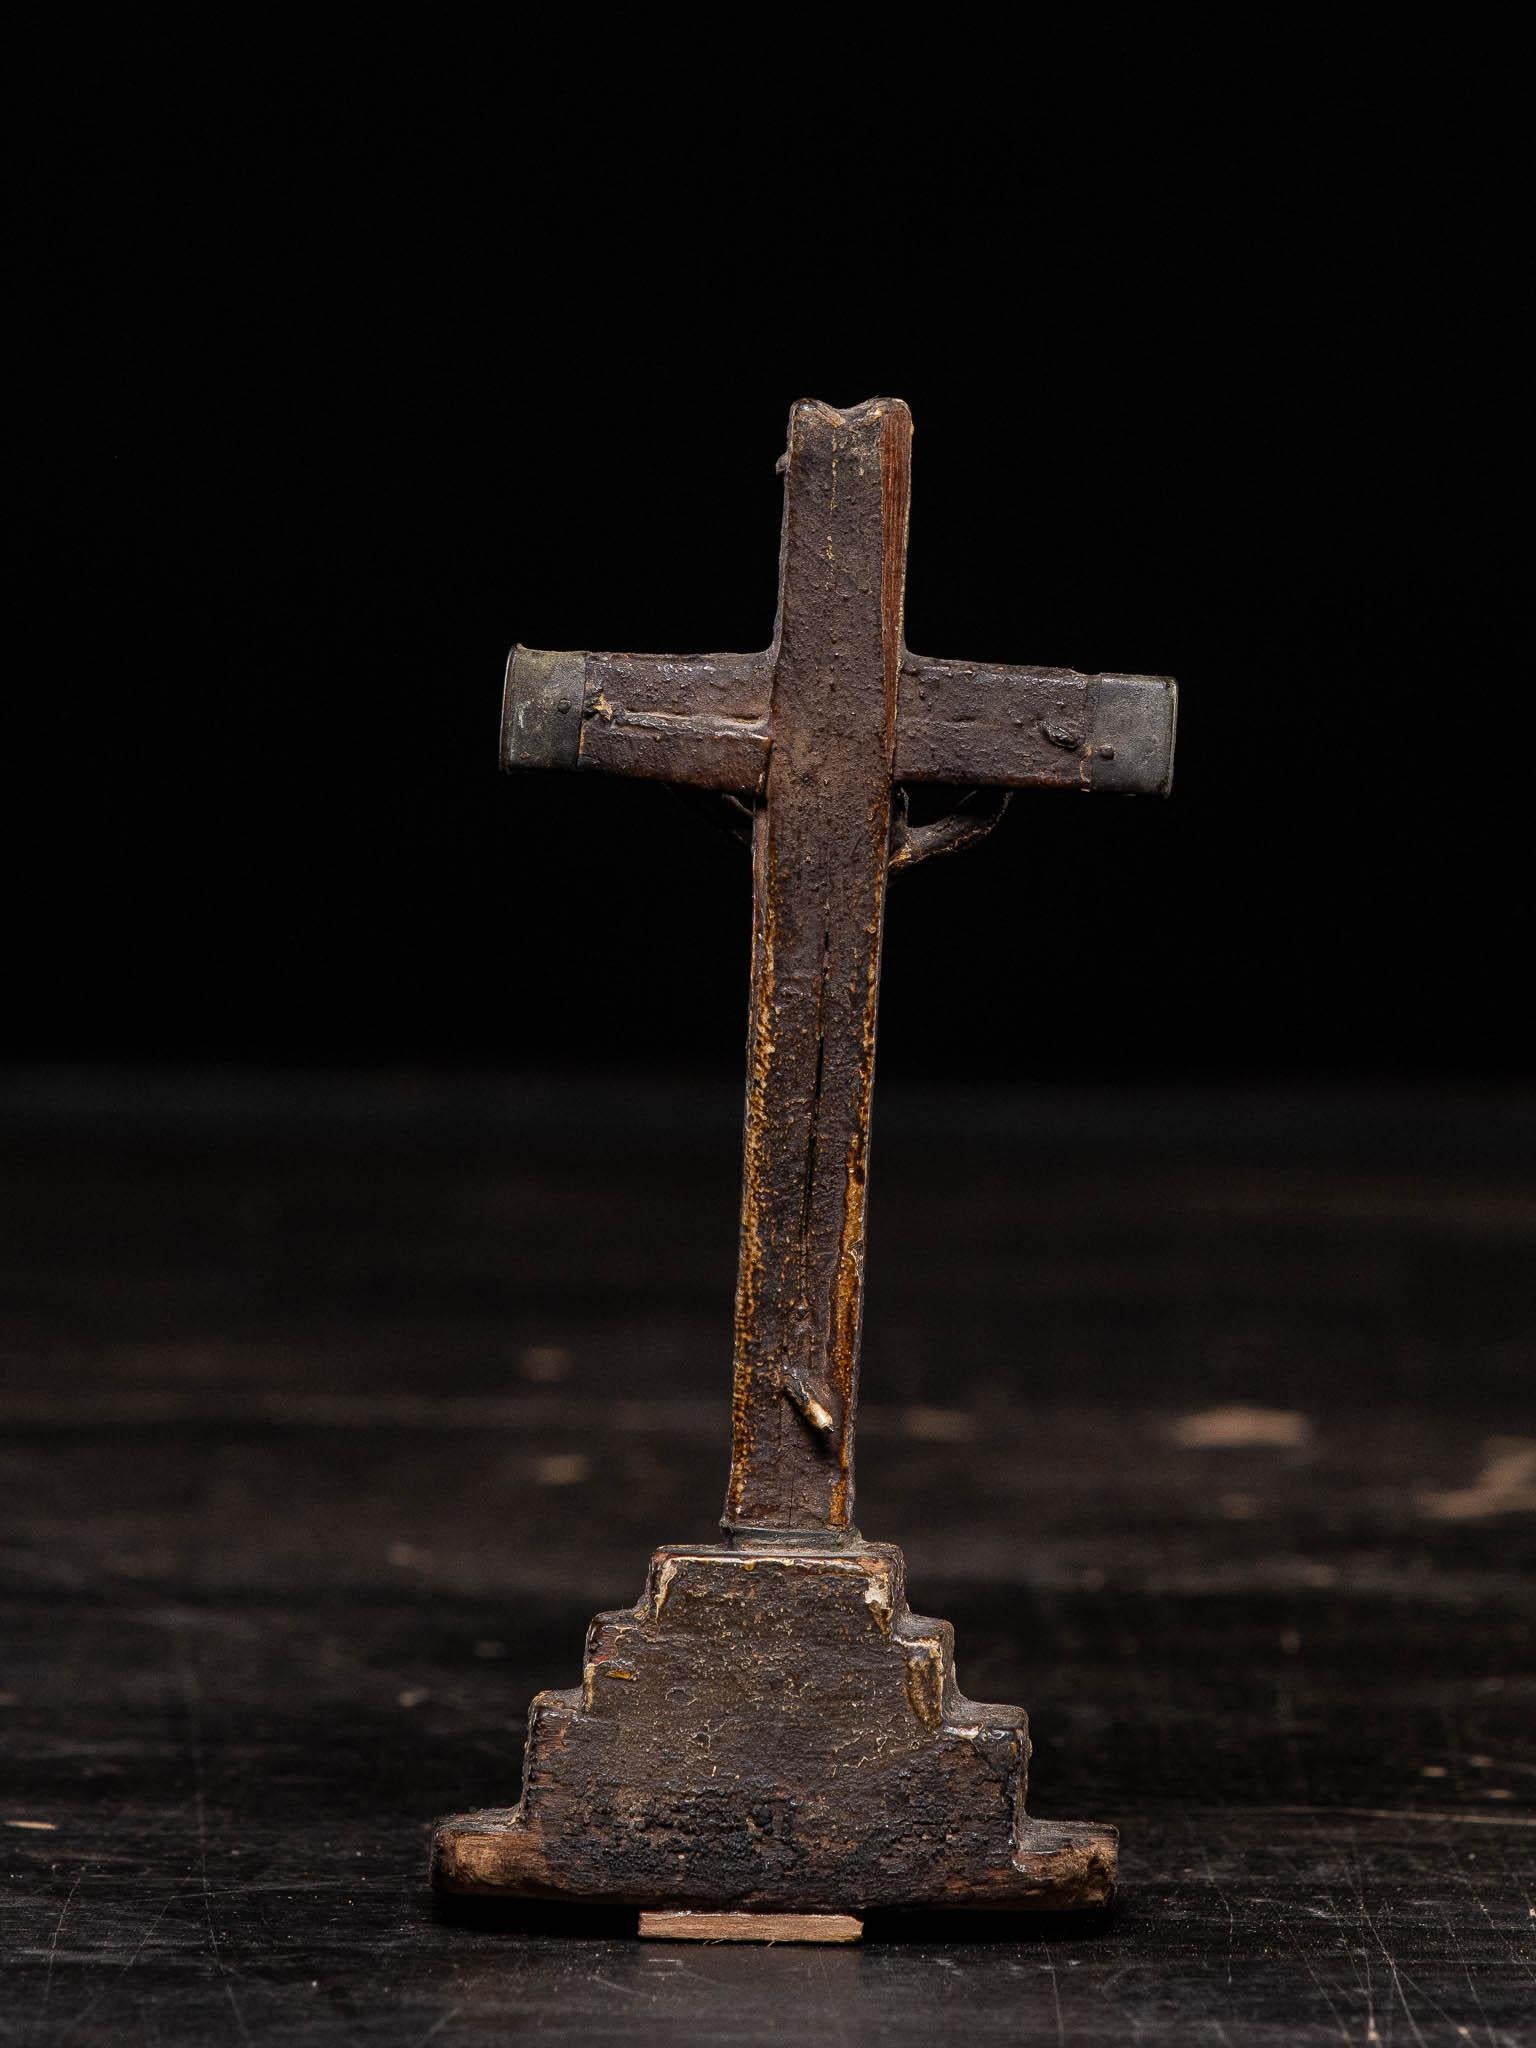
x=771, y=1730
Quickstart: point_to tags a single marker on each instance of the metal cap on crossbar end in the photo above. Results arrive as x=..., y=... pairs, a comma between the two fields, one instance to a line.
x=1133, y=735
x=541, y=709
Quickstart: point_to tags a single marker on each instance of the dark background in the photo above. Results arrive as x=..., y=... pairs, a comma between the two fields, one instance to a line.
x=347, y=365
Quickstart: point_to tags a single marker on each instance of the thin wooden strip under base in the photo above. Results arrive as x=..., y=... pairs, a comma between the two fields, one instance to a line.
x=751, y=1927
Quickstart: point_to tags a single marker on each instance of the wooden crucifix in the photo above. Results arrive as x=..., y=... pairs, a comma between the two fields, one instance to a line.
x=770, y=1731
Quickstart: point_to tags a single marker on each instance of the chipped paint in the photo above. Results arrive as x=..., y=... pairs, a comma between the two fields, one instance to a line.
x=880, y=1599
x=925, y=1680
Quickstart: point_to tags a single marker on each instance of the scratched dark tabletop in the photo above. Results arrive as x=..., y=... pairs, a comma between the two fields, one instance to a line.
x=332, y=1410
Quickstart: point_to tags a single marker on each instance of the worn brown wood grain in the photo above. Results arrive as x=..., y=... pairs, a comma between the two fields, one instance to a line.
x=774, y=1729
x=820, y=732
x=835, y=1928
x=770, y=1727
x=820, y=852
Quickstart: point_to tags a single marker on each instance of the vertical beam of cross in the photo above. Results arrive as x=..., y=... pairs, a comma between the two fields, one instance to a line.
x=821, y=846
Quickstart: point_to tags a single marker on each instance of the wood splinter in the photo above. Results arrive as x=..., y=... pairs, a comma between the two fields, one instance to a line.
x=769, y=1927
x=788, y=1745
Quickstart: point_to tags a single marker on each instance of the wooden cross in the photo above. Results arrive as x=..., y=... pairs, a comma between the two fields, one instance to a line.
x=770, y=1731
x=818, y=734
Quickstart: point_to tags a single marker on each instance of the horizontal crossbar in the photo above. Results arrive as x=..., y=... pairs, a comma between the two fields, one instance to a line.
x=705, y=720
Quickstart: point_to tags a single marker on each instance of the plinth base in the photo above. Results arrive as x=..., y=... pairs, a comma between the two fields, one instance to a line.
x=770, y=1730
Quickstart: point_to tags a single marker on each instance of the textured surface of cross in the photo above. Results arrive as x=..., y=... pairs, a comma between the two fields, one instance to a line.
x=770, y=1729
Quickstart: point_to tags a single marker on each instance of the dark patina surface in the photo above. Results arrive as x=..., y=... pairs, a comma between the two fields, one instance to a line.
x=818, y=733
x=841, y=1778
x=786, y=1709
